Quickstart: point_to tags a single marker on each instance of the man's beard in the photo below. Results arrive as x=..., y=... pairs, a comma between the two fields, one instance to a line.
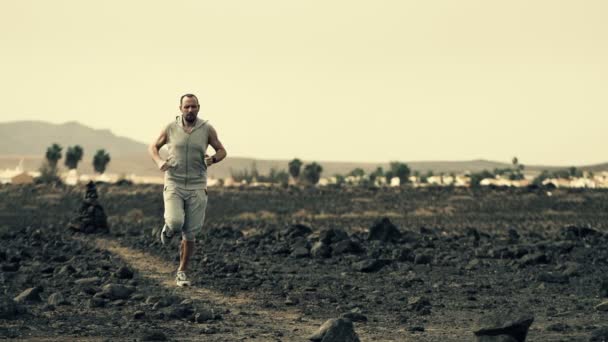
x=190, y=117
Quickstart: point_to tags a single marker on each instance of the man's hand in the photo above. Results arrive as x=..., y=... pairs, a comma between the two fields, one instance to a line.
x=208, y=160
x=163, y=165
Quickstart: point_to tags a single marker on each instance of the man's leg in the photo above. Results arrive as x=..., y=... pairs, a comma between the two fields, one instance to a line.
x=195, y=207
x=174, y=210
x=186, y=251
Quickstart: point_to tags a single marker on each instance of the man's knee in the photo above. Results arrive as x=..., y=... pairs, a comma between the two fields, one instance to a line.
x=174, y=223
x=188, y=236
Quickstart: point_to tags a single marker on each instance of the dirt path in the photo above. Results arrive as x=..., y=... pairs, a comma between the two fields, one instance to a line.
x=247, y=314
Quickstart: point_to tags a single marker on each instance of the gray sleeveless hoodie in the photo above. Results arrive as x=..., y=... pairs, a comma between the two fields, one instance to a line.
x=188, y=154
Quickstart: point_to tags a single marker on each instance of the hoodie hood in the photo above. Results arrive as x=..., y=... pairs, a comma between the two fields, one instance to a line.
x=198, y=124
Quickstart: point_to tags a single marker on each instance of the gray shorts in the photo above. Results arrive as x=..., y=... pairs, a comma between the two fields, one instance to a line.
x=185, y=211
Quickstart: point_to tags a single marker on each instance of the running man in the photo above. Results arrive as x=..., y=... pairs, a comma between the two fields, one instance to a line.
x=185, y=190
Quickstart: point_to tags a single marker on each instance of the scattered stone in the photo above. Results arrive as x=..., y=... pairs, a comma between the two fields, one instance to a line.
x=405, y=254
x=153, y=336
x=204, y=315
x=423, y=259
x=117, y=291
x=513, y=235
x=555, y=278
x=291, y=301
x=473, y=264
x=320, y=250
x=296, y=230
x=124, y=273
x=138, y=297
x=604, y=288
x=180, y=311
x=97, y=302
x=300, y=252
x=31, y=295
x=533, y=259
x=347, y=246
x=599, y=335
x=66, y=269
x=558, y=327
x=575, y=232
x=370, y=265
x=355, y=316
x=332, y=235
x=602, y=306
x=57, y=299
x=88, y=281
x=118, y=302
x=11, y=267
x=504, y=326
x=419, y=303
x=336, y=330
x=91, y=217
x=571, y=269
x=9, y=309
x=385, y=231
x=227, y=233
x=152, y=300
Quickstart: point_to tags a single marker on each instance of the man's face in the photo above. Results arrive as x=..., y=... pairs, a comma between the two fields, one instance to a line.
x=189, y=109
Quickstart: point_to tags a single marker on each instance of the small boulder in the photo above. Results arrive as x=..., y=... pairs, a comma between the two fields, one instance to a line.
x=31, y=295
x=599, y=335
x=604, y=288
x=296, y=230
x=336, y=330
x=370, y=265
x=117, y=291
x=300, y=252
x=332, y=235
x=57, y=299
x=602, y=306
x=504, y=326
x=124, y=273
x=385, y=231
x=320, y=250
x=204, y=315
x=153, y=336
x=9, y=309
x=534, y=259
x=347, y=246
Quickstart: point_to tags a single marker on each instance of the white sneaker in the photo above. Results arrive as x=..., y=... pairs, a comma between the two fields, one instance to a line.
x=165, y=235
x=181, y=279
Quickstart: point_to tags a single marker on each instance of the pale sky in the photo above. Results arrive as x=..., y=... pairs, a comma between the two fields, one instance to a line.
x=322, y=80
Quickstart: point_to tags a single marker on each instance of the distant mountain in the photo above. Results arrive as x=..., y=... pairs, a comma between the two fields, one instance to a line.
x=28, y=140
x=31, y=138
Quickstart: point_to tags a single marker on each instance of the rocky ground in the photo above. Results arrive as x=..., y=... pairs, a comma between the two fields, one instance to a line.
x=274, y=265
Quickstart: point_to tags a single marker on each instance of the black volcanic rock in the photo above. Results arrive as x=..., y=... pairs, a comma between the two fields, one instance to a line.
x=385, y=231
x=332, y=235
x=9, y=309
x=31, y=295
x=504, y=326
x=336, y=330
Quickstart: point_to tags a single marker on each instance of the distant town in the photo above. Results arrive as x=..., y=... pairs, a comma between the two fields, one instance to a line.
x=311, y=175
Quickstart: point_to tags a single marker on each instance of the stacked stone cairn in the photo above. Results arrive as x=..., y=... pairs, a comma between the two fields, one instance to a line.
x=91, y=217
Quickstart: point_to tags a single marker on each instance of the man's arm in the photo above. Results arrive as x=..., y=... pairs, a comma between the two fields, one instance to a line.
x=153, y=151
x=220, y=151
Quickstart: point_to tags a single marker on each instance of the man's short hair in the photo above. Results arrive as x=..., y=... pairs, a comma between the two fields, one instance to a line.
x=187, y=95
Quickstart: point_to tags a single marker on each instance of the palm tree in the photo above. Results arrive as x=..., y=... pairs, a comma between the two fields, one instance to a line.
x=294, y=168
x=100, y=161
x=312, y=173
x=73, y=156
x=53, y=154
